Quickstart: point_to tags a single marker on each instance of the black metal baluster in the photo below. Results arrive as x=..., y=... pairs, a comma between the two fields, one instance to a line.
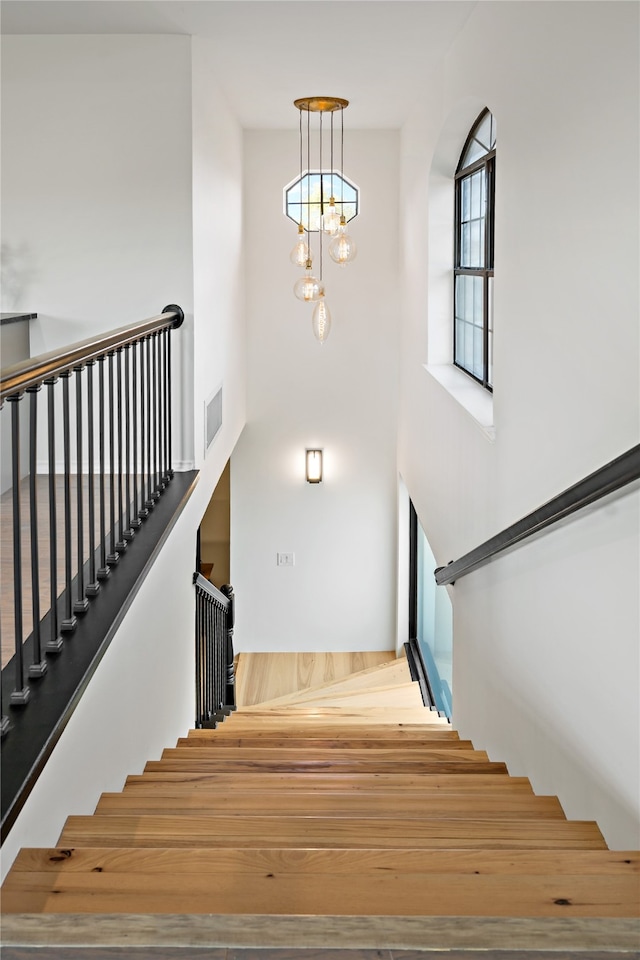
x=160, y=461
x=82, y=604
x=20, y=694
x=114, y=556
x=54, y=643
x=69, y=621
x=149, y=502
x=230, y=691
x=199, y=711
x=38, y=667
x=129, y=532
x=135, y=521
x=154, y=406
x=121, y=544
x=103, y=570
x=169, y=408
x=93, y=587
x=143, y=512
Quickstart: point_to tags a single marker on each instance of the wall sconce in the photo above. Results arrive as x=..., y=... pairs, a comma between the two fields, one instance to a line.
x=313, y=465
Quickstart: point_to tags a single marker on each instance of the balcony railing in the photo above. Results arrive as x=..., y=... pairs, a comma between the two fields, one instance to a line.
x=215, y=676
x=99, y=459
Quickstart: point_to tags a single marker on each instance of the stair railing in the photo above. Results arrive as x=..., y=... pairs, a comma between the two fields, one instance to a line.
x=215, y=675
x=611, y=477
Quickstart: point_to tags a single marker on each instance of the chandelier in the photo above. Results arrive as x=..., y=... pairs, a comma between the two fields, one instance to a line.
x=320, y=211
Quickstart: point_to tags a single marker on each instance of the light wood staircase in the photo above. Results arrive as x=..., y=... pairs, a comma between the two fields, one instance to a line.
x=350, y=805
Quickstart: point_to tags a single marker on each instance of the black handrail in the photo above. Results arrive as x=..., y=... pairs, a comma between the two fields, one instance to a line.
x=613, y=475
x=35, y=370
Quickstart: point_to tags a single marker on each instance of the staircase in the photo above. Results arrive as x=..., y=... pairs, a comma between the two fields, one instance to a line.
x=346, y=814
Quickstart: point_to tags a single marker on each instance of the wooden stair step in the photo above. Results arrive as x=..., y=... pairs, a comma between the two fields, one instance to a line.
x=331, y=861
x=441, y=738
x=331, y=804
x=325, y=728
x=303, y=767
x=375, y=893
x=421, y=784
x=404, y=695
x=247, y=831
x=337, y=755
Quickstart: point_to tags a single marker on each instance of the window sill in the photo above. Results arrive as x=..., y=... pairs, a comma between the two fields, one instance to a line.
x=473, y=398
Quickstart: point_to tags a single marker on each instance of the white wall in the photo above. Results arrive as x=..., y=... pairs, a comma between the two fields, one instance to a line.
x=143, y=695
x=546, y=672
x=341, y=396
x=96, y=190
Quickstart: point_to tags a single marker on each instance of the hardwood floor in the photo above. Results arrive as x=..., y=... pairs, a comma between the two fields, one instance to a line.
x=265, y=676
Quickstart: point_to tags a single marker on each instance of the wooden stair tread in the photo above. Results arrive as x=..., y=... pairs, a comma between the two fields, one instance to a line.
x=426, y=894
x=423, y=783
x=402, y=695
x=332, y=804
x=245, y=830
x=442, y=738
x=303, y=766
x=338, y=755
x=178, y=860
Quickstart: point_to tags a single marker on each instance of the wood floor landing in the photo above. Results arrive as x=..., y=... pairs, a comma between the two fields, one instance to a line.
x=265, y=676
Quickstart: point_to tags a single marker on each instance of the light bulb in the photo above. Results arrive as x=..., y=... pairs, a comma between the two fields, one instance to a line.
x=342, y=249
x=321, y=321
x=300, y=253
x=307, y=288
x=331, y=219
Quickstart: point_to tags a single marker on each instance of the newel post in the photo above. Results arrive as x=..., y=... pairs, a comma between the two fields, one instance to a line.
x=230, y=694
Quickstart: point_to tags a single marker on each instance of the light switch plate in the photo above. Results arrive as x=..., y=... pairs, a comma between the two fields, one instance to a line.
x=286, y=559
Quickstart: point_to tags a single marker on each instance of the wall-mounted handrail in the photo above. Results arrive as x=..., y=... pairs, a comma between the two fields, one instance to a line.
x=613, y=475
x=34, y=371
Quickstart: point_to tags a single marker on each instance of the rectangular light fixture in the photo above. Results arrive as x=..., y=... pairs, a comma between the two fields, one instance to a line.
x=314, y=465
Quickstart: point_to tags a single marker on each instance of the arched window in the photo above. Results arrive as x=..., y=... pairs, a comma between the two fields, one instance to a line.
x=473, y=253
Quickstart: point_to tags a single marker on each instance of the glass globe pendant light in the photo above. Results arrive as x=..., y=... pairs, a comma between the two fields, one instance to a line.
x=307, y=288
x=301, y=252
x=331, y=219
x=321, y=320
x=342, y=248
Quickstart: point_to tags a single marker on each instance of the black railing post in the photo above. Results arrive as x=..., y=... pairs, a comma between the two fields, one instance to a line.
x=54, y=643
x=69, y=621
x=104, y=571
x=114, y=556
x=121, y=543
x=135, y=521
x=129, y=532
x=150, y=501
x=81, y=604
x=20, y=694
x=38, y=666
x=169, y=429
x=93, y=587
x=230, y=692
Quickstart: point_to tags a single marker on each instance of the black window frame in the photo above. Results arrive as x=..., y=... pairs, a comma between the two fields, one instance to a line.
x=486, y=163
x=326, y=178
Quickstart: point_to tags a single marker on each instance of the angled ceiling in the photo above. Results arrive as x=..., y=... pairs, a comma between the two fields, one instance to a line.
x=376, y=53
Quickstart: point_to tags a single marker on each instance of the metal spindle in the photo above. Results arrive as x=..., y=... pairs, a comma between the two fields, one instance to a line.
x=169, y=431
x=160, y=415
x=82, y=604
x=20, y=694
x=135, y=521
x=129, y=532
x=114, y=556
x=93, y=587
x=165, y=407
x=103, y=570
x=54, y=643
x=38, y=667
x=143, y=512
x=69, y=621
x=121, y=543
x=149, y=502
